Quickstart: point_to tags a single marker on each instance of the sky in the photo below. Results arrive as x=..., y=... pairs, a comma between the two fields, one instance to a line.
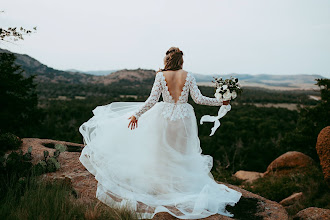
x=216, y=36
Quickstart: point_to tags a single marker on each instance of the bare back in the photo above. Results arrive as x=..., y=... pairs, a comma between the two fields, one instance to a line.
x=175, y=80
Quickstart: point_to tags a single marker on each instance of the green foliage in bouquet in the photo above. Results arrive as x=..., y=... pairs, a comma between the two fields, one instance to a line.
x=232, y=84
x=227, y=89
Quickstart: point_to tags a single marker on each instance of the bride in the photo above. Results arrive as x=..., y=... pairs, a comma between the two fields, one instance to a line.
x=156, y=161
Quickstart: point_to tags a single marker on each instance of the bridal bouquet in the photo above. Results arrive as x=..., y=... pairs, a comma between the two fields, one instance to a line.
x=226, y=90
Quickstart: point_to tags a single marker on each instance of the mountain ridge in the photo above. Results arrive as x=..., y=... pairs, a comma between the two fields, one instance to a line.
x=47, y=74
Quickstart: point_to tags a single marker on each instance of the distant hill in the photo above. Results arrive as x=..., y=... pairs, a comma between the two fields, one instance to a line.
x=282, y=82
x=44, y=73
x=126, y=76
x=94, y=72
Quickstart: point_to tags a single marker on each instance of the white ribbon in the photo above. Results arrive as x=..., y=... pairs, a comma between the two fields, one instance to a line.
x=222, y=112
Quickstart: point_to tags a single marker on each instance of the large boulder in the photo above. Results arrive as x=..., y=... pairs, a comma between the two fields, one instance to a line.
x=248, y=176
x=288, y=162
x=323, y=150
x=313, y=213
x=85, y=184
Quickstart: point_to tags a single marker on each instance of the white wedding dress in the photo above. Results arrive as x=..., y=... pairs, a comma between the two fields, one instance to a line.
x=158, y=164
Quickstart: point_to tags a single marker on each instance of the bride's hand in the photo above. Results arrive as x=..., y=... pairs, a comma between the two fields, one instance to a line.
x=133, y=123
x=226, y=102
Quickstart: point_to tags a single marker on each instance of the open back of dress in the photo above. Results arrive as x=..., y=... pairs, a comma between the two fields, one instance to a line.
x=175, y=86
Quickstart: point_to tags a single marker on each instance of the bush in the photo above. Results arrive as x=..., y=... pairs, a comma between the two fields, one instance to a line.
x=13, y=168
x=222, y=174
x=9, y=141
x=310, y=182
x=17, y=165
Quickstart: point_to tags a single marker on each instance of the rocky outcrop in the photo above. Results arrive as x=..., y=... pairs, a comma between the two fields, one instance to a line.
x=85, y=184
x=323, y=150
x=71, y=168
x=248, y=176
x=288, y=162
x=313, y=213
x=292, y=199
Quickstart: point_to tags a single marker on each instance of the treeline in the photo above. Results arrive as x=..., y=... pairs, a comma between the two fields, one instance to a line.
x=123, y=87
x=142, y=89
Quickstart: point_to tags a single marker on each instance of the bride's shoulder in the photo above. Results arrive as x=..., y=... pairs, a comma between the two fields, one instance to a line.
x=189, y=75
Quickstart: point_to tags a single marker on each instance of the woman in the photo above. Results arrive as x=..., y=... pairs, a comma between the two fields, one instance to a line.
x=157, y=161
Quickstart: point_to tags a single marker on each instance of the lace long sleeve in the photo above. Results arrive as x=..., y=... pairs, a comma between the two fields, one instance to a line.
x=198, y=98
x=153, y=97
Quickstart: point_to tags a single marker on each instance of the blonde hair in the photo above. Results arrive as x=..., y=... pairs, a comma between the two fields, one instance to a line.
x=173, y=59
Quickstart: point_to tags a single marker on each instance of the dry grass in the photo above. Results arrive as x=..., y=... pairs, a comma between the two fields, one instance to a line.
x=36, y=199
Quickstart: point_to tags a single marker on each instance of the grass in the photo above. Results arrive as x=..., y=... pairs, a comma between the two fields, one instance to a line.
x=224, y=175
x=32, y=198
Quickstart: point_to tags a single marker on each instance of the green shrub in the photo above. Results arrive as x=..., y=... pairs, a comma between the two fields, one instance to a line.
x=14, y=167
x=276, y=188
x=9, y=141
x=310, y=182
x=222, y=174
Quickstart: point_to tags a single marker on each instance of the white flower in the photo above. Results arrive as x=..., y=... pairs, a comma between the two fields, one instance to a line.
x=218, y=90
x=233, y=94
x=218, y=95
x=227, y=95
x=224, y=87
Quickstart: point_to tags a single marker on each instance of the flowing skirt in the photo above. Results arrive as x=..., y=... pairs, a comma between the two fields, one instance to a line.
x=159, y=164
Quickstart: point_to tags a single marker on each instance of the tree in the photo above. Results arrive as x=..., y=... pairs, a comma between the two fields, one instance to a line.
x=14, y=33
x=310, y=122
x=19, y=112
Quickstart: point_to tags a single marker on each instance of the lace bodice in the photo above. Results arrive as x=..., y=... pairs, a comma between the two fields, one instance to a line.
x=175, y=110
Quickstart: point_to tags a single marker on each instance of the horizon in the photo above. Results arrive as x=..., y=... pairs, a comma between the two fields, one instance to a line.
x=216, y=37
x=132, y=69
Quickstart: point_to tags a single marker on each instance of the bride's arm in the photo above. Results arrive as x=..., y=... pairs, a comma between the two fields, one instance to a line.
x=198, y=98
x=152, y=99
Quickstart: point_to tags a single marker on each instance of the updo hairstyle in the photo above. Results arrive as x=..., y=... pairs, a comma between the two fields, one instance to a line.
x=173, y=59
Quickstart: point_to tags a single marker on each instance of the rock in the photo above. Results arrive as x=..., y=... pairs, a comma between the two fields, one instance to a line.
x=292, y=199
x=323, y=150
x=248, y=176
x=85, y=184
x=71, y=168
x=313, y=213
x=288, y=162
x=167, y=216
